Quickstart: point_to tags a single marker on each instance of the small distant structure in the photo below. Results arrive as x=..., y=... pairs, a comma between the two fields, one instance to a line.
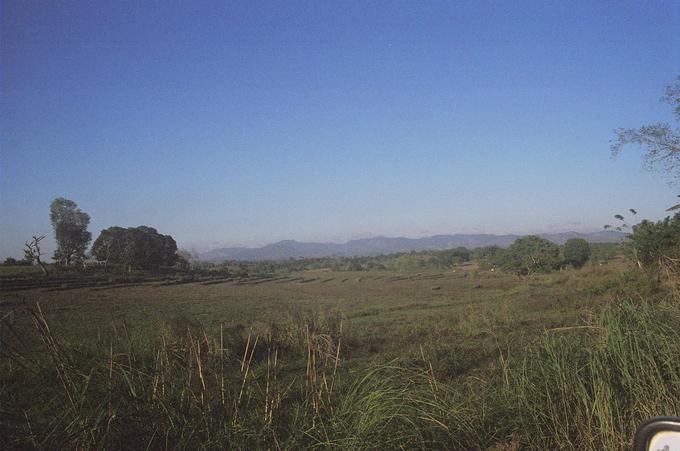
x=91, y=262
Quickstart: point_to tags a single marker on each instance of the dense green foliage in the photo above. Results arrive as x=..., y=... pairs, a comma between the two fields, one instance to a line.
x=135, y=247
x=576, y=252
x=402, y=261
x=531, y=254
x=654, y=244
x=487, y=257
x=70, y=231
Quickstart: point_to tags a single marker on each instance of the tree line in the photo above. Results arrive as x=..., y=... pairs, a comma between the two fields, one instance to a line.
x=527, y=256
x=131, y=248
x=653, y=246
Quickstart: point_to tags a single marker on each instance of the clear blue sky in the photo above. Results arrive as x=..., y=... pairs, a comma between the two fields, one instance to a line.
x=226, y=123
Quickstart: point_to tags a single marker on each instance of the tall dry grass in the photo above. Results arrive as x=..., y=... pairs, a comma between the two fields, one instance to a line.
x=589, y=388
x=287, y=387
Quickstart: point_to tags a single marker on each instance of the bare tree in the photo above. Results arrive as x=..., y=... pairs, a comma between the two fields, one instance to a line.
x=33, y=253
x=660, y=141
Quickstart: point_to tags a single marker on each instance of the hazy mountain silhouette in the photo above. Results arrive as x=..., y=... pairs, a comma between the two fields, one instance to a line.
x=385, y=245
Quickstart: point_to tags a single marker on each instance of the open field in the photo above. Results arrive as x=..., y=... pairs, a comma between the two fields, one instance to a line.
x=369, y=359
x=389, y=313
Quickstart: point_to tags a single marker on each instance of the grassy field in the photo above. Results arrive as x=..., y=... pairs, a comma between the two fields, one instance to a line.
x=456, y=359
x=388, y=314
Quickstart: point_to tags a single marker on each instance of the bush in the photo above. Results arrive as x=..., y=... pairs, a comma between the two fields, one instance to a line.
x=531, y=254
x=652, y=244
x=576, y=252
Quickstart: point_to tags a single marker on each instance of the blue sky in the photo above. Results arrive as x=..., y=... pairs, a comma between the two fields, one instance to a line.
x=225, y=123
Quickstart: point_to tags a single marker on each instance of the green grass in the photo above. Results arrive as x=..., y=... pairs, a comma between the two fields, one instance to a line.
x=13, y=271
x=590, y=388
x=368, y=360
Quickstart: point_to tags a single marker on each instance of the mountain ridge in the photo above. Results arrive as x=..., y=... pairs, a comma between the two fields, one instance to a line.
x=382, y=245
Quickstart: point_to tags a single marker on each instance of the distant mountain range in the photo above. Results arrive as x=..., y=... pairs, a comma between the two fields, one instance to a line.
x=384, y=245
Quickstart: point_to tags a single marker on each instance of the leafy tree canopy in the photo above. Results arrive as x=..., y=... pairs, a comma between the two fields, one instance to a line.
x=576, y=252
x=135, y=247
x=531, y=254
x=70, y=231
x=652, y=242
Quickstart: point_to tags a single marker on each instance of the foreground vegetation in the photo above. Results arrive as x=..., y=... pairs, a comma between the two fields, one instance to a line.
x=469, y=359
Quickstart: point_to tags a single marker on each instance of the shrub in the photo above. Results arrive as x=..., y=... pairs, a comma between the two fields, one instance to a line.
x=531, y=254
x=576, y=252
x=654, y=243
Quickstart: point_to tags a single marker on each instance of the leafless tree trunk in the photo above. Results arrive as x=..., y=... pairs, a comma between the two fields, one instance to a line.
x=108, y=255
x=32, y=250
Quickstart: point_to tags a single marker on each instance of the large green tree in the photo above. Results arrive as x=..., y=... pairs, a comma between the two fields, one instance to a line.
x=531, y=254
x=576, y=252
x=70, y=231
x=135, y=247
x=109, y=247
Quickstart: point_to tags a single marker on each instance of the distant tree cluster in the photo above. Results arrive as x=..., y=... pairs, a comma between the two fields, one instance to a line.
x=489, y=256
x=432, y=259
x=11, y=261
x=135, y=248
x=531, y=254
x=525, y=257
x=401, y=261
